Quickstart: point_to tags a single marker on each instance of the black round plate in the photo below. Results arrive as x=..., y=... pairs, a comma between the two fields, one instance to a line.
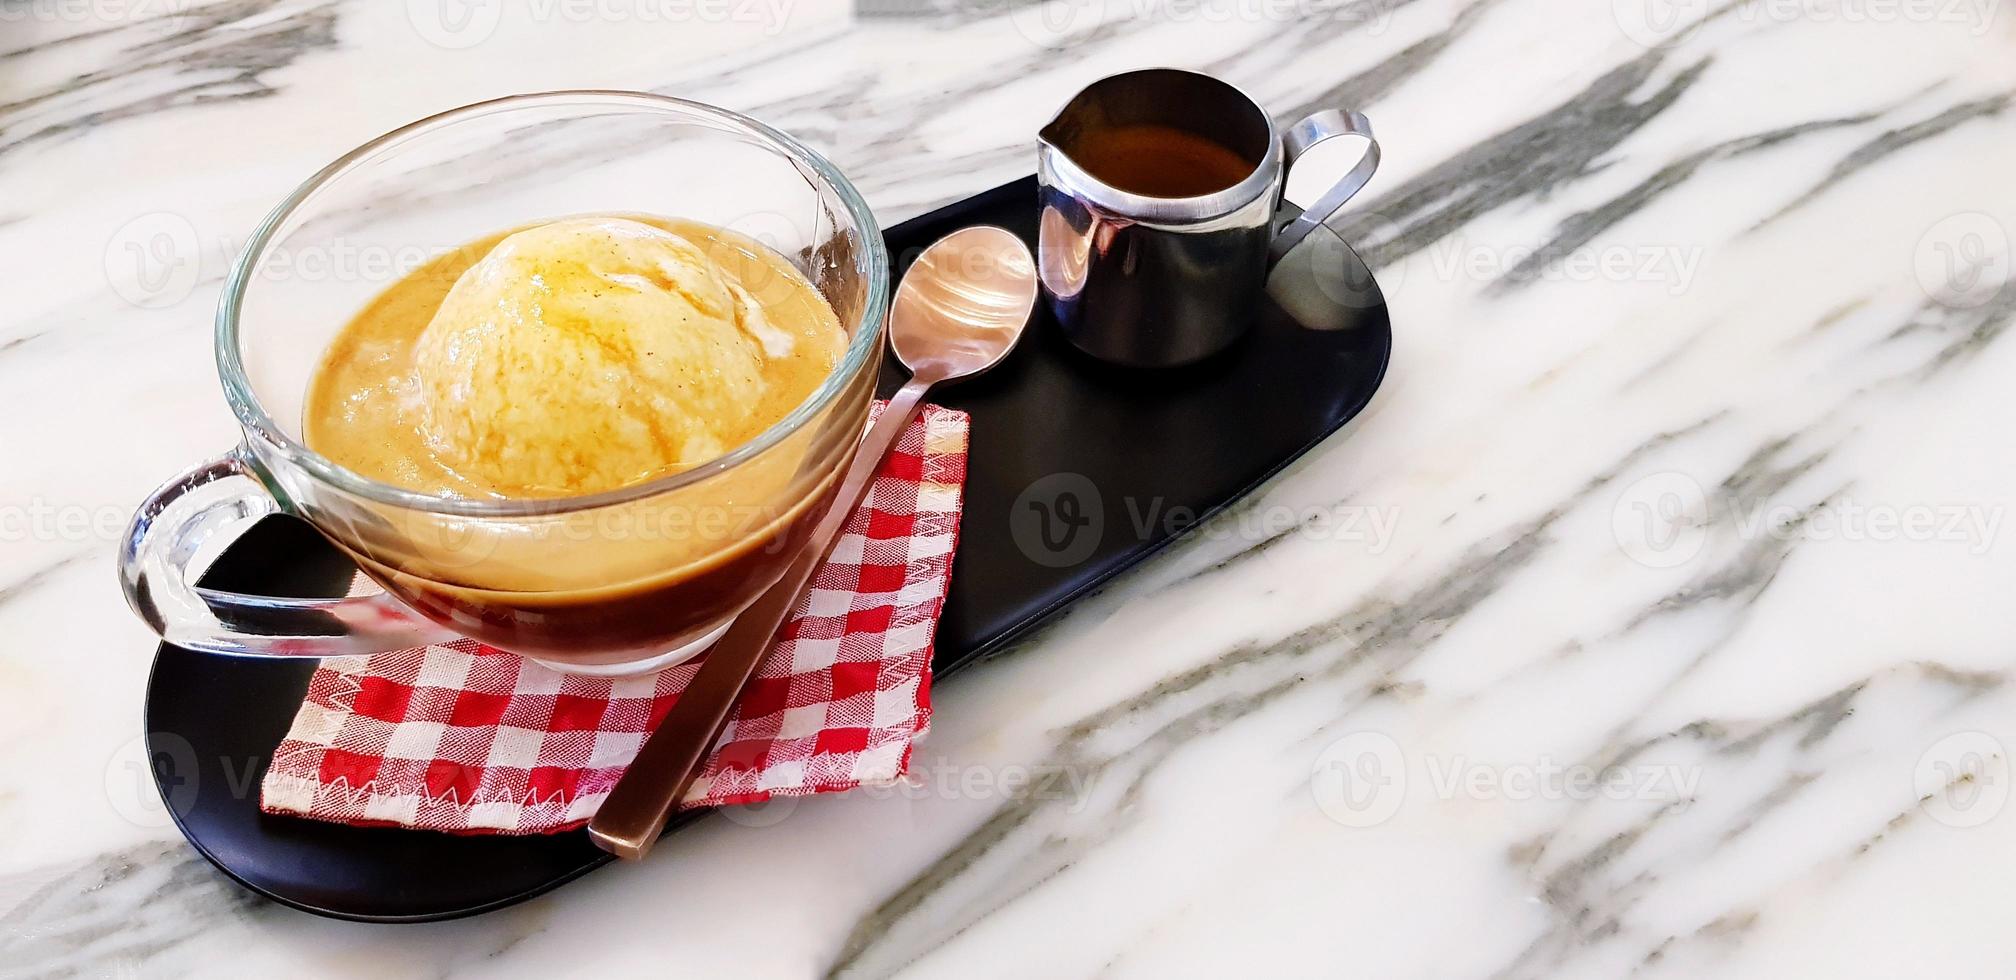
x=1052, y=430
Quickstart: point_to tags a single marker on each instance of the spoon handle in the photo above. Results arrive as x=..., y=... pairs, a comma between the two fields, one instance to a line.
x=634, y=813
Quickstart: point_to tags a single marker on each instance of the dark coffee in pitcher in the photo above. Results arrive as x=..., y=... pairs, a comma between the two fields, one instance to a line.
x=1161, y=161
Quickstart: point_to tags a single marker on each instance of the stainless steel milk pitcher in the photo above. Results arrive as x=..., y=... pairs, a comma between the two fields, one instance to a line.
x=1152, y=281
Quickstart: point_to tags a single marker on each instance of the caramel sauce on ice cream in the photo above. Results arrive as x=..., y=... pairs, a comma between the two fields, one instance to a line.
x=571, y=357
x=568, y=358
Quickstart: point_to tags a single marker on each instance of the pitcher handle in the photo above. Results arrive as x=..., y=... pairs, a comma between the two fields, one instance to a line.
x=1313, y=129
x=172, y=527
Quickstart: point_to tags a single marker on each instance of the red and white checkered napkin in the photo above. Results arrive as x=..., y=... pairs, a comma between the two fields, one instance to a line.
x=464, y=739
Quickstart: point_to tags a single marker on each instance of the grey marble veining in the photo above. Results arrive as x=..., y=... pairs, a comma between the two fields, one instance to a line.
x=1649, y=622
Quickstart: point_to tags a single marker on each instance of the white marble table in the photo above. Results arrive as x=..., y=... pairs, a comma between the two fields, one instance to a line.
x=1656, y=617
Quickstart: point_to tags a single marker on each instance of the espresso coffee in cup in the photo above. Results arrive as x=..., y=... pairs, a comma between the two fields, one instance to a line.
x=572, y=357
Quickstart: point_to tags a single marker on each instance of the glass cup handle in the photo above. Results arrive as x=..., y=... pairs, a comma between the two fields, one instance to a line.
x=1313, y=129
x=176, y=523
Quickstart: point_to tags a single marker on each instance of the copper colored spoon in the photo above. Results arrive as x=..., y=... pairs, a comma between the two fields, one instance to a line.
x=959, y=311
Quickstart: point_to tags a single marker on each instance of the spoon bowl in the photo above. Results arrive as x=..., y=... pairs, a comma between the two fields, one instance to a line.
x=962, y=305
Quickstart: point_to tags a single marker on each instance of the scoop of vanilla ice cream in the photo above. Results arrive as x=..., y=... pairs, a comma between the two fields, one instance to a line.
x=587, y=354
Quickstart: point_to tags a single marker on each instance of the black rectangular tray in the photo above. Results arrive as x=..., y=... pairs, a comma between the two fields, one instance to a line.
x=1065, y=453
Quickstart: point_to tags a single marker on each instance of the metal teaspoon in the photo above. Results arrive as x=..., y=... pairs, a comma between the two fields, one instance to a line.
x=959, y=311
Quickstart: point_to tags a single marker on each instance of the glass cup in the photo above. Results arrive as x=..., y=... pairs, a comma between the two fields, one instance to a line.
x=623, y=581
